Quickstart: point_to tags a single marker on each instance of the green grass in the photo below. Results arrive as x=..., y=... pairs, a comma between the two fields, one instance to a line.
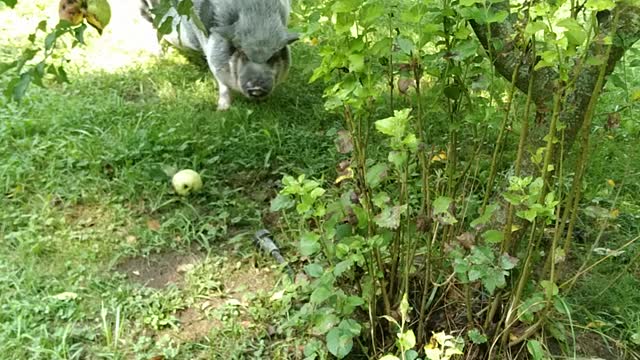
x=84, y=188
x=83, y=175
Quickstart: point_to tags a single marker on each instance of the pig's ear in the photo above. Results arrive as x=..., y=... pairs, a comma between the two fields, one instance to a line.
x=228, y=32
x=292, y=37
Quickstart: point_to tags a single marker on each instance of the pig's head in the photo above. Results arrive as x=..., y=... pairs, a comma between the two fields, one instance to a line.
x=260, y=53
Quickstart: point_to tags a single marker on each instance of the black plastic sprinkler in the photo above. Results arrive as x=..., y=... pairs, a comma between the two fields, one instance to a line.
x=262, y=239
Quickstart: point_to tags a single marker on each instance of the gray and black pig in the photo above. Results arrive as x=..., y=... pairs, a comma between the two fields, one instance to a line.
x=246, y=47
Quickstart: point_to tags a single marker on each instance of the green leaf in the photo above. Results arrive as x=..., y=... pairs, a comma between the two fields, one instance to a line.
x=381, y=200
x=616, y=80
x=493, y=278
x=410, y=354
x=405, y=45
x=441, y=205
x=4, y=66
x=184, y=7
x=534, y=26
x=452, y=92
x=470, y=2
x=485, y=217
x=356, y=62
x=461, y=266
x=481, y=255
x=535, y=349
x=309, y=243
x=477, y=337
x=350, y=326
x=376, y=174
x=514, y=199
x=600, y=5
x=193, y=15
x=339, y=342
x=529, y=214
x=10, y=3
x=18, y=86
x=320, y=294
x=508, y=262
x=50, y=40
x=407, y=340
x=345, y=6
x=351, y=303
x=317, y=192
x=281, y=202
x=493, y=236
x=312, y=348
x=398, y=158
x=314, y=270
x=166, y=27
x=390, y=217
x=575, y=33
x=342, y=266
x=498, y=16
x=324, y=321
x=530, y=306
x=475, y=274
x=548, y=286
x=370, y=13
x=394, y=126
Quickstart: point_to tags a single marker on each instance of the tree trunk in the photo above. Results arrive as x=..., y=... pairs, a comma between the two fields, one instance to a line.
x=546, y=80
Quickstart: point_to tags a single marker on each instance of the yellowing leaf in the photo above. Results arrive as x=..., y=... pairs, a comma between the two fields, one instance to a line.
x=452, y=351
x=277, y=295
x=442, y=157
x=349, y=175
x=611, y=183
x=615, y=213
x=389, y=357
x=153, y=224
x=596, y=324
x=64, y=296
x=432, y=354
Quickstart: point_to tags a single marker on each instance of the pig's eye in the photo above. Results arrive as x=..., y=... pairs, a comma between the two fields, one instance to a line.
x=276, y=56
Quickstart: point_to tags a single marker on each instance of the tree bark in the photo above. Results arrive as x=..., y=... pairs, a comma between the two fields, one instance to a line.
x=546, y=80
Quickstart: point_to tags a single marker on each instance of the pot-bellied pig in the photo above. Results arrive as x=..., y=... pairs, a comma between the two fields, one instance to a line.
x=245, y=43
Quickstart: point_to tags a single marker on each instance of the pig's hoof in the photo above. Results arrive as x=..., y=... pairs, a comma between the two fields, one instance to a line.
x=224, y=104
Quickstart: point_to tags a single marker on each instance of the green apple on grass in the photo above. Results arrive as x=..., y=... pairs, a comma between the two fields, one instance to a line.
x=186, y=181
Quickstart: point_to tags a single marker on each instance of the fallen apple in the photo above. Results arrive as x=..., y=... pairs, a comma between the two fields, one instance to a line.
x=186, y=181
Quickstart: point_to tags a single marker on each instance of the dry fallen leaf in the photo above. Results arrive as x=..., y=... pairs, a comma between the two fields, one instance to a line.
x=67, y=295
x=613, y=121
x=467, y=240
x=404, y=84
x=153, y=225
x=344, y=144
x=185, y=268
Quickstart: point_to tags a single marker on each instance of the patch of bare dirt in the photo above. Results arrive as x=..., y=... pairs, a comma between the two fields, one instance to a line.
x=249, y=280
x=194, y=325
x=159, y=270
x=241, y=281
x=593, y=345
x=86, y=216
x=196, y=321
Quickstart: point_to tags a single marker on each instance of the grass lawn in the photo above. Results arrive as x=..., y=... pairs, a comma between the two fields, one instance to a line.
x=100, y=259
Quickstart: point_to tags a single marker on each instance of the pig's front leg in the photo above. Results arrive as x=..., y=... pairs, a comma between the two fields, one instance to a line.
x=218, y=52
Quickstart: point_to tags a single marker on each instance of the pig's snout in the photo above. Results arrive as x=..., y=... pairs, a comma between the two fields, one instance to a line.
x=257, y=89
